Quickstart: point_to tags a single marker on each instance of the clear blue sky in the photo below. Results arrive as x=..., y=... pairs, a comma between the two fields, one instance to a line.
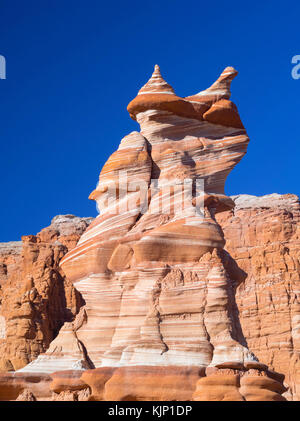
x=73, y=66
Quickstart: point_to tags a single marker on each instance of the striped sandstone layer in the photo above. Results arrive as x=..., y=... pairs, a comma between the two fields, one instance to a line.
x=158, y=286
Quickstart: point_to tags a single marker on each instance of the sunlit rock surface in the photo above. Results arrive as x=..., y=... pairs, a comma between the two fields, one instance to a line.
x=263, y=236
x=35, y=297
x=160, y=320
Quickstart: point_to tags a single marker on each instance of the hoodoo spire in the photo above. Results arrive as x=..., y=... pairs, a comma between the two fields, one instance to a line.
x=156, y=84
x=158, y=95
x=221, y=87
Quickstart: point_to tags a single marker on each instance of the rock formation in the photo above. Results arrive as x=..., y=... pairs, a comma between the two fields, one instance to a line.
x=263, y=236
x=35, y=297
x=179, y=292
x=10, y=255
x=158, y=286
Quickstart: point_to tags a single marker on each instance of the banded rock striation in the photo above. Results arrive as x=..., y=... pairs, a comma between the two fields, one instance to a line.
x=158, y=285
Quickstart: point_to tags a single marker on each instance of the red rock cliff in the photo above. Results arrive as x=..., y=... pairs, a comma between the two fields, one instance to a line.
x=263, y=236
x=35, y=297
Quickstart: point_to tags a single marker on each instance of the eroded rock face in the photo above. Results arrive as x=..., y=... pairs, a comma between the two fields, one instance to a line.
x=170, y=314
x=230, y=384
x=159, y=287
x=263, y=236
x=155, y=284
x=10, y=255
x=36, y=299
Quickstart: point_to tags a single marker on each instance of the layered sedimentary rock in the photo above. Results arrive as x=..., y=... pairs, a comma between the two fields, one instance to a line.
x=158, y=285
x=229, y=384
x=35, y=297
x=263, y=236
x=259, y=232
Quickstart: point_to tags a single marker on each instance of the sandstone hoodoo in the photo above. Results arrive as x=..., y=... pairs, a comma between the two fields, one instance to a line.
x=160, y=319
